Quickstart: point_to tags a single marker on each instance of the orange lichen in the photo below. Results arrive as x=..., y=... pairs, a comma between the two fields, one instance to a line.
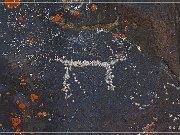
x=17, y=101
x=18, y=130
x=93, y=7
x=33, y=97
x=20, y=18
x=51, y=17
x=115, y=35
x=44, y=113
x=41, y=114
x=148, y=130
x=15, y=122
x=22, y=106
x=76, y=12
x=123, y=35
x=12, y=3
x=7, y=93
x=57, y=17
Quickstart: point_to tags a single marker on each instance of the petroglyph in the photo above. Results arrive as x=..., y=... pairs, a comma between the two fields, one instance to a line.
x=69, y=64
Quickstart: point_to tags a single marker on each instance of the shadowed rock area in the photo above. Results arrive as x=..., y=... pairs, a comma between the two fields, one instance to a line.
x=154, y=27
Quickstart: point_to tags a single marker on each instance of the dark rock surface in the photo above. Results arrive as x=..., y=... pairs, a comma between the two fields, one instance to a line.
x=154, y=27
x=146, y=90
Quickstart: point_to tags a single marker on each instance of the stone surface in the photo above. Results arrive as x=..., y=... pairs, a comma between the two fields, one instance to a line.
x=88, y=79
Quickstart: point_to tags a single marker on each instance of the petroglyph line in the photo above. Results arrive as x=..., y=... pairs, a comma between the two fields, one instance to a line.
x=68, y=64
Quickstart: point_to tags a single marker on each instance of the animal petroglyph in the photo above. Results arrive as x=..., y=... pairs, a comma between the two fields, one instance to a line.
x=69, y=64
